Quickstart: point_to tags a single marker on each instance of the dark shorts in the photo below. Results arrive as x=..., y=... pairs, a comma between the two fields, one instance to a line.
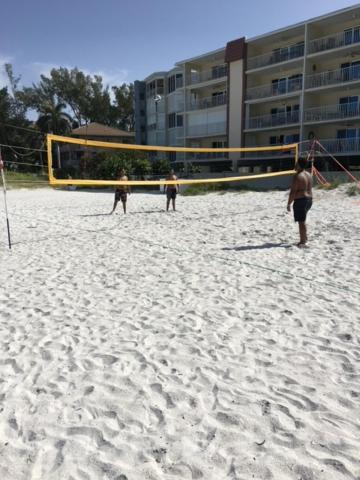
x=301, y=207
x=171, y=194
x=120, y=195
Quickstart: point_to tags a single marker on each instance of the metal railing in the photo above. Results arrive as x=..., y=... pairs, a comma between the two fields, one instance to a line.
x=207, y=156
x=275, y=89
x=218, y=128
x=333, y=77
x=332, y=112
x=207, y=102
x=175, y=134
x=273, y=120
x=276, y=56
x=338, y=40
x=217, y=72
x=337, y=145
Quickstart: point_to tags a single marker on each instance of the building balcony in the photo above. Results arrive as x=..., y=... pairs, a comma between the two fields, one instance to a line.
x=338, y=146
x=207, y=129
x=207, y=102
x=274, y=90
x=337, y=40
x=334, y=77
x=273, y=120
x=328, y=113
x=175, y=136
x=218, y=72
x=276, y=56
x=205, y=157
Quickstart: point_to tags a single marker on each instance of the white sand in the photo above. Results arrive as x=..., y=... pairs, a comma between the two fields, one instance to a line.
x=178, y=346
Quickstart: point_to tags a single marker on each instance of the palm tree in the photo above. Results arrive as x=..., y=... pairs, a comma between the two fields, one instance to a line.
x=53, y=119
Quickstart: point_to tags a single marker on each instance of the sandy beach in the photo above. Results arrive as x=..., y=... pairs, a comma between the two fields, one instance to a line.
x=201, y=344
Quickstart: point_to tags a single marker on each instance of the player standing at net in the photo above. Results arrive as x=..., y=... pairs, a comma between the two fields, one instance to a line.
x=171, y=191
x=121, y=192
x=301, y=195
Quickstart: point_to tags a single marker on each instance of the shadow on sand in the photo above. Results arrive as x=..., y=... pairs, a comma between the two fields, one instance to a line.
x=258, y=247
x=119, y=213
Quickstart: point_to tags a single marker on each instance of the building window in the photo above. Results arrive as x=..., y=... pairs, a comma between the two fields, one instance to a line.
x=171, y=120
x=150, y=89
x=142, y=96
x=352, y=35
x=219, y=144
x=160, y=86
x=171, y=84
x=219, y=71
x=179, y=120
x=179, y=80
x=142, y=113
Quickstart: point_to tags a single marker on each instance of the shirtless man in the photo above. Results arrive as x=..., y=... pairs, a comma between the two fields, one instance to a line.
x=301, y=195
x=171, y=190
x=121, y=192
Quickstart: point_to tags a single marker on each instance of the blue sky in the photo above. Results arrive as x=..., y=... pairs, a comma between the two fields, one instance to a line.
x=127, y=40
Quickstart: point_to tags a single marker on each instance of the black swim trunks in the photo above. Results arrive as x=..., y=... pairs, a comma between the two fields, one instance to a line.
x=301, y=208
x=171, y=193
x=120, y=194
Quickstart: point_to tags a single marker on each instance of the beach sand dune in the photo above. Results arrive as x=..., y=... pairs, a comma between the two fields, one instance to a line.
x=200, y=344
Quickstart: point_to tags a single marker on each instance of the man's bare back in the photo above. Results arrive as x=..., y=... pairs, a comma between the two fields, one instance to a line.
x=302, y=185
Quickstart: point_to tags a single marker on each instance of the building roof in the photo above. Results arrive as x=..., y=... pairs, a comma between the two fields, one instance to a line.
x=95, y=129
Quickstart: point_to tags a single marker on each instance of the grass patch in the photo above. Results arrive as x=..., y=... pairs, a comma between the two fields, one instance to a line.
x=25, y=180
x=205, y=188
x=353, y=190
x=331, y=185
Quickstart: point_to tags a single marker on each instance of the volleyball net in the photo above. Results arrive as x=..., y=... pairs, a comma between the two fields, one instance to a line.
x=83, y=162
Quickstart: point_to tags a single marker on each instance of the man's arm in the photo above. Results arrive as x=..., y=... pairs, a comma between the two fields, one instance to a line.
x=292, y=193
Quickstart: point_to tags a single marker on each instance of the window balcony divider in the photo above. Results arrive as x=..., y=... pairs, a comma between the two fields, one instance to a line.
x=338, y=40
x=273, y=120
x=279, y=55
x=274, y=90
x=332, y=112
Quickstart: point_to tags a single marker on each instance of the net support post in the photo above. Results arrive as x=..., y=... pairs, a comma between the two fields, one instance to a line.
x=5, y=200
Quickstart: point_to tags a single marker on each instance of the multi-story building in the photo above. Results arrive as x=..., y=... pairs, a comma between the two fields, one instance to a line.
x=286, y=86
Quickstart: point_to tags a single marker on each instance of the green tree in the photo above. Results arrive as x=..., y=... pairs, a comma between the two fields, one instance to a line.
x=15, y=129
x=123, y=108
x=160, y=166
x=53, y=119
x=106, y=166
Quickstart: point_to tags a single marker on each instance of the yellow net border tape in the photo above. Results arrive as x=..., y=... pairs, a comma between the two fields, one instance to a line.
x=92, y=143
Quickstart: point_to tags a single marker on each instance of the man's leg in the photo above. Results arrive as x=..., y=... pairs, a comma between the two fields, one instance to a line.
x=115, y=204
x=302, y=231
x=124, y=205
x=167, y=204
x=173, y=204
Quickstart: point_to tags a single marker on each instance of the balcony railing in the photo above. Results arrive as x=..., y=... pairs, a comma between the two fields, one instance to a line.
x=342, y=75
x=207, y=156
x=276, y=56
x=220, y=71
x=338, y=145
x=207, y=102
x=273, y=120
x=175, y=135
x=338, y=40
x=218, y=128
x=274, y=90
x=332, y=112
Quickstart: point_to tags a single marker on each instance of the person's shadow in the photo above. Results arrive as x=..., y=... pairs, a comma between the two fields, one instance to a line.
x=265, y=246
